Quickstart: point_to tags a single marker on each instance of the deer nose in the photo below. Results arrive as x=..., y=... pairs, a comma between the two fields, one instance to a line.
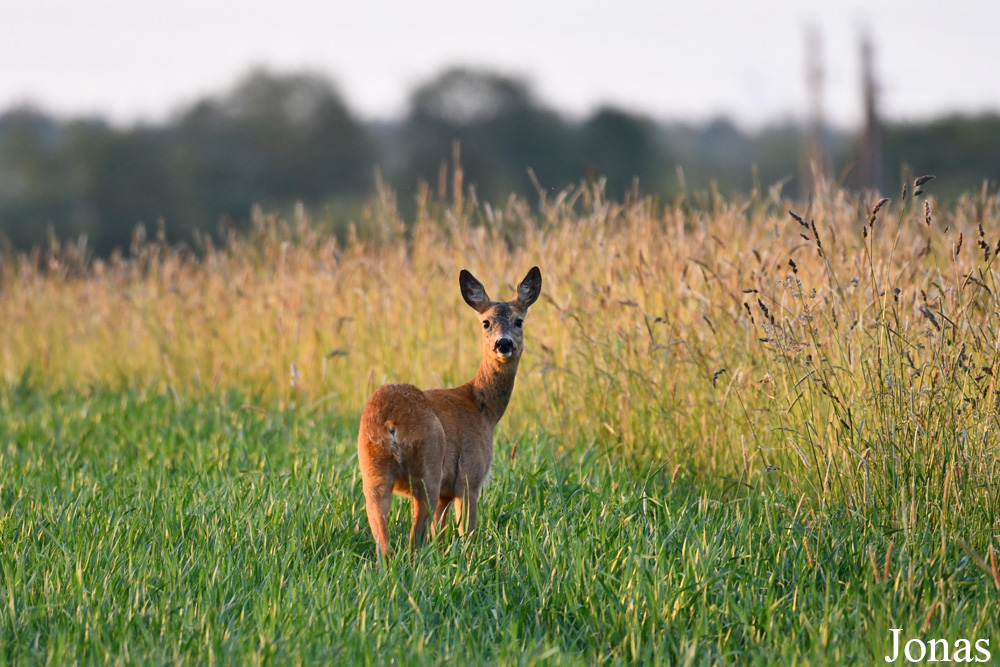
x=504, y=346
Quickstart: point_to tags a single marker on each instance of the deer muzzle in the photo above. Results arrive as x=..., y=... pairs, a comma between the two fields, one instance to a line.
x=504, y=346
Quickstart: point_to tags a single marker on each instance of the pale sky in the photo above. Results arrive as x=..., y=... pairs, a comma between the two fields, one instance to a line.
x=141, y=60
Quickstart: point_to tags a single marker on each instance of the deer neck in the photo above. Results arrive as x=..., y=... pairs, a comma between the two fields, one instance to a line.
x=493, y=385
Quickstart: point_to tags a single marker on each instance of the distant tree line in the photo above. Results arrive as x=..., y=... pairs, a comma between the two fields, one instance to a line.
x=276, y=139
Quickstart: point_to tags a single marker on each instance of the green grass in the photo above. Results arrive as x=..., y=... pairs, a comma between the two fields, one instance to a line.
x=741, y=437
x=146, y=528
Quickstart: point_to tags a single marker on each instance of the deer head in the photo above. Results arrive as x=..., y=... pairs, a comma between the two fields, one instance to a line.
x=502, y=321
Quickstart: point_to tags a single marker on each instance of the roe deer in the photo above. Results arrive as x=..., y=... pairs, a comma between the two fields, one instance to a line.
x=436, y=446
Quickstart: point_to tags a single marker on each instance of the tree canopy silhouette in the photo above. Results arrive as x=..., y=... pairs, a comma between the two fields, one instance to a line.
x=502, y=131
x=275, y=139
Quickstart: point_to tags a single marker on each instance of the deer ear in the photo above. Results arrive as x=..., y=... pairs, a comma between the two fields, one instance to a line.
x=530, y=288
x=473, y=292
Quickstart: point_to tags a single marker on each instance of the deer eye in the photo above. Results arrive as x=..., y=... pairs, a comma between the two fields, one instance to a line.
x=486, y=324
x=518, y=323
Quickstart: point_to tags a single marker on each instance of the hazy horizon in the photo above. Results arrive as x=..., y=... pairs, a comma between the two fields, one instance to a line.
x=685, y=62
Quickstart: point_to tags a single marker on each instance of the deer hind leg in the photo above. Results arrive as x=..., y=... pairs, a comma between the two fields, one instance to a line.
x=425, y=479
x=378, y=498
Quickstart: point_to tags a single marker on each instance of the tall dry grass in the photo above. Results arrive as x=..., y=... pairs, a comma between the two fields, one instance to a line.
x=839, y=352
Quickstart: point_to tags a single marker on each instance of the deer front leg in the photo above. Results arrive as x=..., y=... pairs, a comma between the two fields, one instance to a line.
x=441, y=512
x=465, y=512
x=423, y=491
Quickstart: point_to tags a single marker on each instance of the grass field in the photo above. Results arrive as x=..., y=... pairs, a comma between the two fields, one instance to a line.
x=737, y=437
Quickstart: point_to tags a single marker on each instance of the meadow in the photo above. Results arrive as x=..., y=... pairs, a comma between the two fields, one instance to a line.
x=751, y=431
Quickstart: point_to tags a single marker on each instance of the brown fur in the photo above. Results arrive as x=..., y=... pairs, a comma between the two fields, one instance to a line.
x=436, y=446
